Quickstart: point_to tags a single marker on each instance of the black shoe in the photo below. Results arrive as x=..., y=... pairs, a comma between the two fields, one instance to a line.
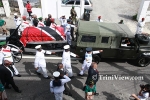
x=38, y=73
x=96, y=94
x=47, y=77
x=80, y=75
x=18, y=75
x=19, y=91
x=7, y=87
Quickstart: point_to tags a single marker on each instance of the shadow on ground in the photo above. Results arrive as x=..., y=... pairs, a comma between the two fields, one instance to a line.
x=110, y=96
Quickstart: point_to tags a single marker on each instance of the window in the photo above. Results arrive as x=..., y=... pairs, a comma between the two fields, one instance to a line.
x=70, y=2
x=77, y=2
x=86, y=2
x=105, y=39
x=88, y=38
x=64, y=1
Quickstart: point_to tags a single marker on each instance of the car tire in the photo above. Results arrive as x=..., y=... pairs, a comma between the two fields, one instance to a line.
x=96, y=58
x=142, y=38
x=143, y=61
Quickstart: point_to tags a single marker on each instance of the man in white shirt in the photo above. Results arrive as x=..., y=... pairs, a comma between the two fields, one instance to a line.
x=88, y=59
x=140, y=26
x=40, y=63
x=99, y=19
x=40, y=23
x=57, y=85
x=63, y=21
x=66, y=60
x=17, y=20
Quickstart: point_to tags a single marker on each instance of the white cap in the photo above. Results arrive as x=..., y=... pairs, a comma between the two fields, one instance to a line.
x=56, y=74
x=15, y=14
x=38, y=47
x=66, y=47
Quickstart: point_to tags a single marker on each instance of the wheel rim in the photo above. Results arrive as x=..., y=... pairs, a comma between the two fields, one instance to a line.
x=142, y=62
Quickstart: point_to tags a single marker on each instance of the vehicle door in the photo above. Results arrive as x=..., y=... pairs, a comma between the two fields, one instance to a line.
x=127, y=49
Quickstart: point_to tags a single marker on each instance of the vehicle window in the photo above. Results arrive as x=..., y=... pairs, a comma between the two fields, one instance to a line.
x=64, y=1
x=127, y=42
x=105, y=39
x=77, y=2
x=86, y=2
x=70, y=2
x=88, y=38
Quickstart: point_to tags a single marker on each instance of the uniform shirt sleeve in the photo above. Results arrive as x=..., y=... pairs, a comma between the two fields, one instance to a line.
x=14, y=49
x=67, y=79
x=95, y=52
x=37, y=59
x=51, y=87
x=48, y=52
x=72, y=54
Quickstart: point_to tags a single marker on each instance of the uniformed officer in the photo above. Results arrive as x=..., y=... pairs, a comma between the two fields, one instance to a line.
x=57, y=85
x=7, y=52
x=40, y=63
x=40, y=23
x=66, y=60
x=140, y=26
x=63, y=21
x=88, y=59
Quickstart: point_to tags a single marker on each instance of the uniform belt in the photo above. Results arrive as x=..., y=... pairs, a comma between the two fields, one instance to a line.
x=7, y=57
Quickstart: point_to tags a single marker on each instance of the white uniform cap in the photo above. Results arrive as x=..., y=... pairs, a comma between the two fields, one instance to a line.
x=56, y=74
x=66, y=47
x=15, y=14
x=38, y=47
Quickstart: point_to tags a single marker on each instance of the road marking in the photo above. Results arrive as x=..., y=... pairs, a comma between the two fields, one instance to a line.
x=33, y=57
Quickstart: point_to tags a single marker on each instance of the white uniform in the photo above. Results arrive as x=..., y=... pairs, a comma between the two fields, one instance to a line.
x=24, y=24
x=66, y=61
x=58, y=90
x=99, y=20
x=63, y=23
x=17, y=21
x=1, y=57
x=40, y=62
x=88, y=61
x=40, y=24
x=140, y=26
x=8, y=54
x=68, y=33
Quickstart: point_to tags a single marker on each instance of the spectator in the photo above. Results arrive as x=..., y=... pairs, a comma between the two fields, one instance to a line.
x=3, y=29
x=48, y=22
x=63, y=21
x=121, y=22
x=93, y=74
x=45, y=21
x=90, y=89
x=143, y=93
x=29, y=9
x=140, y=26
x=57, y=85
x=6, y=76
x=17, y=20
x=35, y=21
x=3, y=95
x=41, y=24
x=99, y=19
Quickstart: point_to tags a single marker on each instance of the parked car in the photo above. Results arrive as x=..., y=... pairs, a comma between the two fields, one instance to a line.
x=111, y=38
x=88, y=3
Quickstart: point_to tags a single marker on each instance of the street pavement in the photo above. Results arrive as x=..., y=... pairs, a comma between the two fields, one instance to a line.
x=35, y=87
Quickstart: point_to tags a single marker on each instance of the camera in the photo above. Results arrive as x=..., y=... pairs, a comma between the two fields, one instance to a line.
x=142, y=86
